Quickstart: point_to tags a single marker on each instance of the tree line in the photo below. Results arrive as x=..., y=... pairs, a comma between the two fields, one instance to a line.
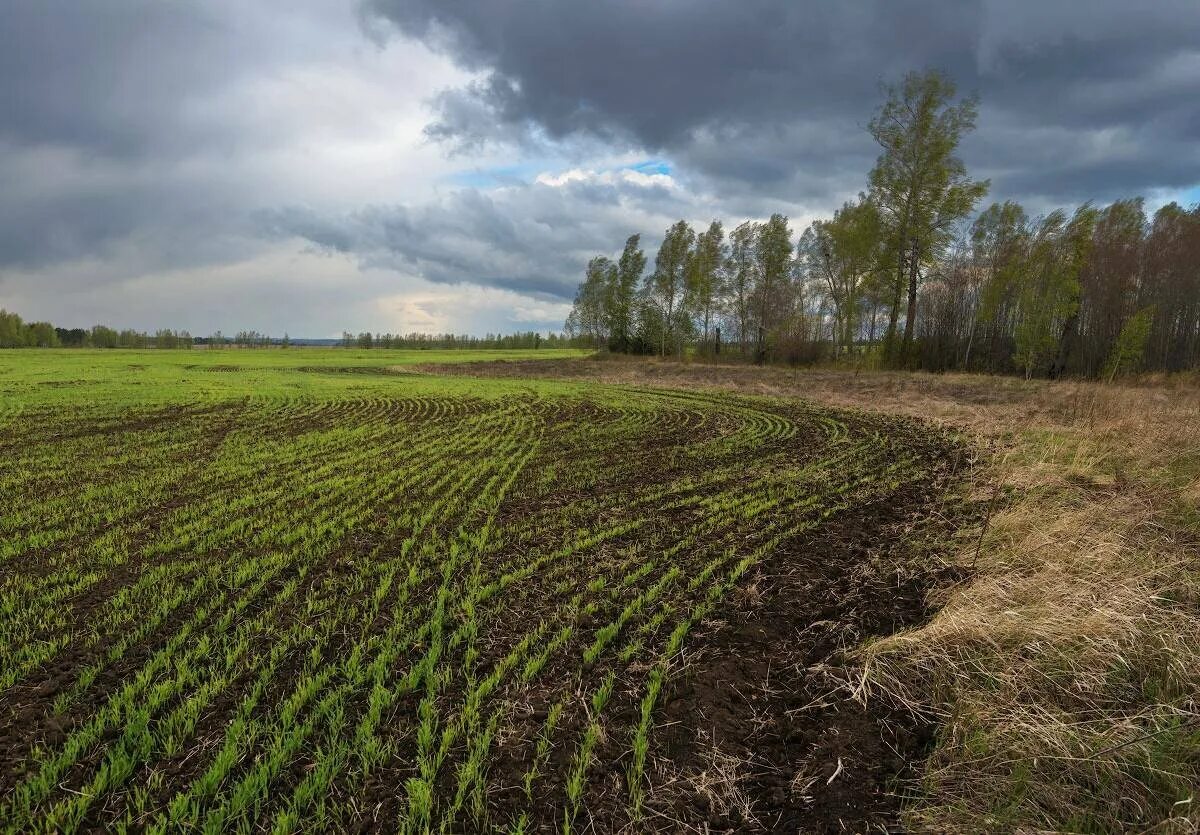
x=17, y=333
x=426, y=341
x=911, y=275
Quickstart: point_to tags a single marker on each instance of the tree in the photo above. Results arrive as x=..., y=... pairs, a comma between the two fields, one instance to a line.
x=1045, y=295
x=12, y=330
x=665, y=287
x=622, y=297
x=1110, y=281
x=1171, y=284
x=919, y=184
x=947, y=307
x=590, y=314
x=705, y=268
x=998, y=238
x=104, y=337
x=773, y=257
x=1130, y=348
x=41, y=335
x=843, y=253
x=1080, y=243
x=741, y=273
x=72, y=337
x=1047, y=276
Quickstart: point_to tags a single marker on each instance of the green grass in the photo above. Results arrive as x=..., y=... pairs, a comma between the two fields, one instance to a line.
x=267, y=589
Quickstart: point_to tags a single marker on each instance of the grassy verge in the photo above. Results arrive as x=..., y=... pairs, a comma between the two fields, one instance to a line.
x=1065, y=674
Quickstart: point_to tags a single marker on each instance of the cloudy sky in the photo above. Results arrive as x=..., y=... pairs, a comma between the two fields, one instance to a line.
x=429, y=165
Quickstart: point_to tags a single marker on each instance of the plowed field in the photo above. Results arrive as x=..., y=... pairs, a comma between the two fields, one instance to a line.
x=245, y=591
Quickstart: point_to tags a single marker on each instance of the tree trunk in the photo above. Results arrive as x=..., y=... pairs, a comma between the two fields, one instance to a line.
x=667, y=323
x=1059, y=365
x=889, y=340
x=966, y=363
x=911, y=318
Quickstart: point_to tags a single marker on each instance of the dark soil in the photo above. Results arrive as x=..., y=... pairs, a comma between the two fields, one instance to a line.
x=759, y=729
x=768, y=701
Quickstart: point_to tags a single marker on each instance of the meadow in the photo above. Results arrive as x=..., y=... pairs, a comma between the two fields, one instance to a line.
x=328, y=590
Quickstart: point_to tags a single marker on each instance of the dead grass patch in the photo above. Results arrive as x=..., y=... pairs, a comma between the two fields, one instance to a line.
x=1066, y=673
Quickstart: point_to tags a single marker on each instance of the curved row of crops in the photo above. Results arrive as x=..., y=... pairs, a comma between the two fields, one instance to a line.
x=329, y=602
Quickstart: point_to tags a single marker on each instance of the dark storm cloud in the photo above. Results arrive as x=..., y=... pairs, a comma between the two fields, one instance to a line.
x=101, y=75
x=659, y=70
x=722, y=85
x=100, y=121
x=141, y=138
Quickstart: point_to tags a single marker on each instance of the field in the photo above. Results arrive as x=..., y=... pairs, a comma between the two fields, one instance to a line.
x=1063, y=671
x=323, y=590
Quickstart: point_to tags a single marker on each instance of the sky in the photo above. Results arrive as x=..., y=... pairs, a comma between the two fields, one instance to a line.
x=314, y=166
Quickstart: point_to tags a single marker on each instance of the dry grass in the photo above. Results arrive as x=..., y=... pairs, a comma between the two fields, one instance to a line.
x=1065, y=672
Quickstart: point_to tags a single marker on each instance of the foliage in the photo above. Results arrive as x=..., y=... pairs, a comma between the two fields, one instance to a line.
x=1002, y=293
x=704, y=275
x=921, y=187
x=16, y=333
x=665, y=289
x=622, y=296
x=845, y=253
x=1130, y=350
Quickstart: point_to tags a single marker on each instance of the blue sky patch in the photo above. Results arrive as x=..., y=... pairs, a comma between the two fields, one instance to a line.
x=503, y=175
x=652, y=166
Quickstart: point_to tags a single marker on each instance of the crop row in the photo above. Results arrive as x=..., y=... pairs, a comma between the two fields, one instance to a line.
x=330, y=603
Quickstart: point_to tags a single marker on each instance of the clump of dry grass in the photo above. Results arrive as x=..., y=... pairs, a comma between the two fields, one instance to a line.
x=1066, y=672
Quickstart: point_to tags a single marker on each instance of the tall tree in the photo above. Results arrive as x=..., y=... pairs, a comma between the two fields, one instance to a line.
x=1110, y=280
x=998, y=238
x=919, y=183
x=773, y=257
x=589, y=316
x=705, y=268
x=1079, y=242
x=665, y=287
x=622, y=297
x=1130, y=347
x=1050, y=290
x=1171, y=285
x=12, y=330
x=741, y=272
x=1045, y=294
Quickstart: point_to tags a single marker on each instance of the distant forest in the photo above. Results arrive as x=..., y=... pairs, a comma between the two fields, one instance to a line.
x=522, y=339
x=17, y=333
x=909, y=275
